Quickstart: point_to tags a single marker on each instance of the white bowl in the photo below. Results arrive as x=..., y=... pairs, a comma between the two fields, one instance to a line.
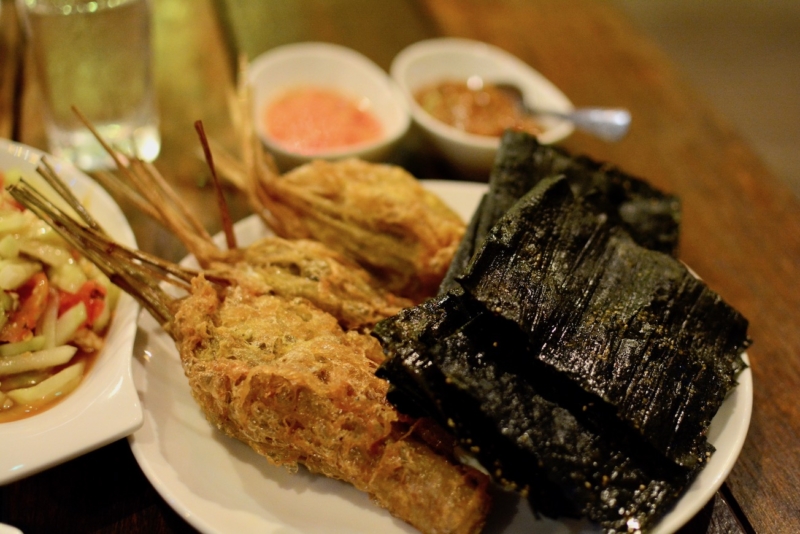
x=105, y=407
x=333, y=67
x=435, y=60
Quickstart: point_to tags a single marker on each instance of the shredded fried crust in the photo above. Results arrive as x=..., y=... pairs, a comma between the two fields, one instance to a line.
x=379, y=215
x=283, y=376
x=308, y=269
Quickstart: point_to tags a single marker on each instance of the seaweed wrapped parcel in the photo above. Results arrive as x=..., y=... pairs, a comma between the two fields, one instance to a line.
x=578, y=366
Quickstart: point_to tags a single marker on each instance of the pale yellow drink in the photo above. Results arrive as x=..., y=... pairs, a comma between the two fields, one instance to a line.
x=95, y=55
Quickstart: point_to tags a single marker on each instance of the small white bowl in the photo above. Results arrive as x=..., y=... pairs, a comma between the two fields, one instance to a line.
x=105, y=406
x=436, y=60
x=333, y=67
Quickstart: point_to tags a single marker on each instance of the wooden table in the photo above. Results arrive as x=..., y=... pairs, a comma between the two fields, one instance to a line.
x=741, y=228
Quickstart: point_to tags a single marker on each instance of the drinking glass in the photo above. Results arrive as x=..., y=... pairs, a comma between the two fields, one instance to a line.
x=94, y=55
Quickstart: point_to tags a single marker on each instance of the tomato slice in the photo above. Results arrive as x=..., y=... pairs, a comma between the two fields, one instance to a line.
x=93, y=296
x=33, y=301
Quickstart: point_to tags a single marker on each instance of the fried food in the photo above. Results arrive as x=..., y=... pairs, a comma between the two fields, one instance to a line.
x=290, y=268
x=283, y=376
x=378, y=215
x=308, y=269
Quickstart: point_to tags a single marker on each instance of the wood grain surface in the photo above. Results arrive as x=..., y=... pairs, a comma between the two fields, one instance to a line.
x=741, y=229
x=10, y=60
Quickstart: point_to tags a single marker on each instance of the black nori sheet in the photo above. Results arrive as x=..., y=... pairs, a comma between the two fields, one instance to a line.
x=651, y=217
x=463, y=365
x=466, y=248
x=529, y=423
x=510, y=179
x=628, y=324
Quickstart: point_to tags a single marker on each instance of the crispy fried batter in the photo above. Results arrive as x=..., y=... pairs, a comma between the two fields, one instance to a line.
x=284, y=377
x=376, y=214
x=379, y=215
x=308, y=269
x=304, y=268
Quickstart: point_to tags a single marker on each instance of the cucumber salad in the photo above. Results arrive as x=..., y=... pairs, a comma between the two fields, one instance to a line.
x=55, y=307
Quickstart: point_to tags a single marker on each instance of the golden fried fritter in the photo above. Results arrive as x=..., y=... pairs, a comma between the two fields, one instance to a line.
x=377, y=214
x=283, y=377
x=308, y=269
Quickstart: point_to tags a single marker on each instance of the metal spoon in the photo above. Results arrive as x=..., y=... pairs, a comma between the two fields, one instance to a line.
x=609, y=124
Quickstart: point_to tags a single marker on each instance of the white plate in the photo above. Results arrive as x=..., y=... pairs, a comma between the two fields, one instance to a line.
x=105, y=407
x=220, y=485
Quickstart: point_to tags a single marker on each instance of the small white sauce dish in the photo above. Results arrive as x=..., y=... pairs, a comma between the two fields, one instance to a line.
x=332, y=67
x=437, y=60
x=105, y=406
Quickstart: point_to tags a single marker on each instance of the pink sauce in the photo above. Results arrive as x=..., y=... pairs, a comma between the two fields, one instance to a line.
x=310, y=120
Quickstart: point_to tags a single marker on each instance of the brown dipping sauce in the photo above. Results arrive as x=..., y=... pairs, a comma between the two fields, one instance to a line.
x=484, y=110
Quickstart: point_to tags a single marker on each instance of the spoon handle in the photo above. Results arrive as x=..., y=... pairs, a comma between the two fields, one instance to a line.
x=606, y=123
